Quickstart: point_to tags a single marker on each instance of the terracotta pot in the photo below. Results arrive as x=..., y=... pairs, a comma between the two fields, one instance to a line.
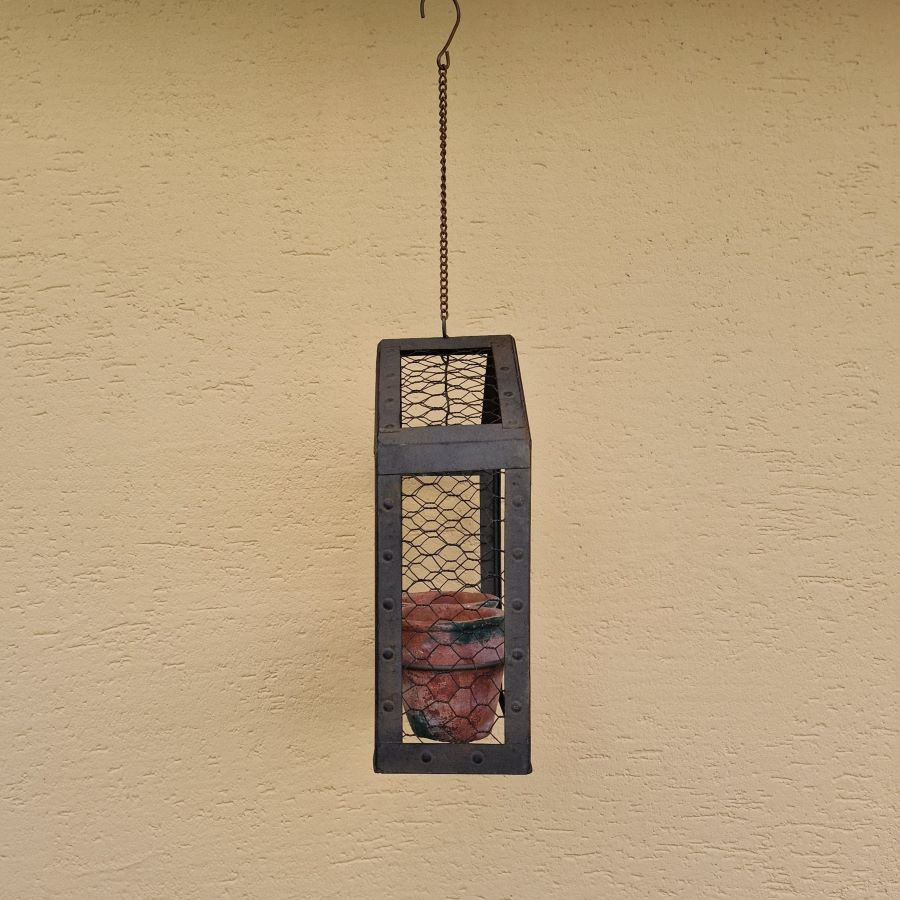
x=455, y=706
x=453, y=651
x=451, y=636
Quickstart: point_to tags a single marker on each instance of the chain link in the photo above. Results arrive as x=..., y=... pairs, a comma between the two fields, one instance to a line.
x=443, y=65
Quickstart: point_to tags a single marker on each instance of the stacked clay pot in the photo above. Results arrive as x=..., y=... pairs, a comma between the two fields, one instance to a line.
x=453, y=652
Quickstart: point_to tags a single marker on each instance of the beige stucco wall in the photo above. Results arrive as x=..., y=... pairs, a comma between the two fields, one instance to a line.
x=686, y=213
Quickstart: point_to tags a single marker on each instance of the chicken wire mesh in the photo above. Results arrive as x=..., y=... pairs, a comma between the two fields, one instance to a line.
x=440, y=389
x=453, y=617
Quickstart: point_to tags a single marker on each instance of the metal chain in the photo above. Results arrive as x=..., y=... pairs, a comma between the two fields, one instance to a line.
x=443, y=64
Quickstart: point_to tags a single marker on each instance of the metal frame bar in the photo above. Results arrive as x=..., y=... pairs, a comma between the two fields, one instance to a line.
x=388, y=589
x=489, y=496
x=490, y=538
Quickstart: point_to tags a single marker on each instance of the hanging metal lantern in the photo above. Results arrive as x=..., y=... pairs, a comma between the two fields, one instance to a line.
x=452, y=543
x=452, y=546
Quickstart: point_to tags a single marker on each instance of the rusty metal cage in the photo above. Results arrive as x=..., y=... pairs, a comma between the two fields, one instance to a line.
x=452, y=558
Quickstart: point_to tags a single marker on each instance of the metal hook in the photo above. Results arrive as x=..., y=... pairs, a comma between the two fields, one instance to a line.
x=445, y=49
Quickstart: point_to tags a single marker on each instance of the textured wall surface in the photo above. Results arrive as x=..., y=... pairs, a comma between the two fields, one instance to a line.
x=687, y=214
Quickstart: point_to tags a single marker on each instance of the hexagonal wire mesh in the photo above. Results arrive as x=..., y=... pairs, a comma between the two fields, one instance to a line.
x=448, y=389
x=453, y=620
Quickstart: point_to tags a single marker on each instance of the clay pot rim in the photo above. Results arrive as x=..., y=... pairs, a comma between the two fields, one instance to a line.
x=461, y=597
x=488, y=617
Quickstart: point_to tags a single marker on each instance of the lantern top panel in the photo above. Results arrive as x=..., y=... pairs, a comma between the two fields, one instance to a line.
x=450, y=404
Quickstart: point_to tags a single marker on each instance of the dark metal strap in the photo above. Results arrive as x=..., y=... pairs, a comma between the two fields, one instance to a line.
x=443, y=65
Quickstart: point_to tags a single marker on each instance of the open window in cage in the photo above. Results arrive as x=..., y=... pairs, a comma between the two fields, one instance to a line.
x=453, y=491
